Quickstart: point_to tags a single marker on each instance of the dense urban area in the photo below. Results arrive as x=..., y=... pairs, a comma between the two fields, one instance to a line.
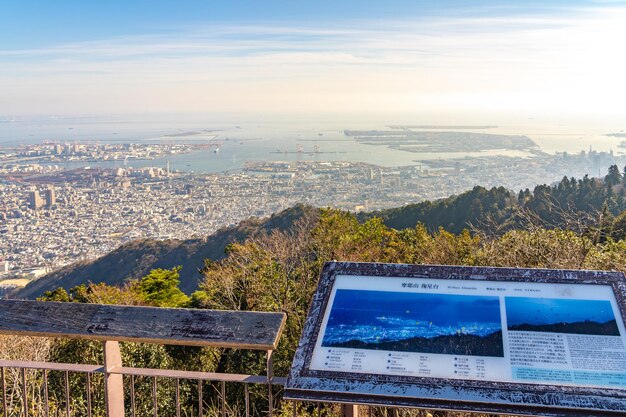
x=51, y=216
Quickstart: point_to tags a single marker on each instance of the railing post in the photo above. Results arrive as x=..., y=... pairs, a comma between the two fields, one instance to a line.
x=114, y=383
x=24, y=392
x=200, y=399
x=270, y=375
x=223, y=395
x=5, y=409
x=349, y=410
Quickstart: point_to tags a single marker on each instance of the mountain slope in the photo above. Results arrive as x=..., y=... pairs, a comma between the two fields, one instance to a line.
x=569, y=203
x=453, y=213
x=137, y=258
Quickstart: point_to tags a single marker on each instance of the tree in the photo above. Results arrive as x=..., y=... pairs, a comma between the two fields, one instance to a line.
x=613, y=177
x=160, y=288
x=59, y=295
x=618, y=229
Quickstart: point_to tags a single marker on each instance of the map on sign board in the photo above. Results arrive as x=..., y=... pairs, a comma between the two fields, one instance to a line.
x=469, y=326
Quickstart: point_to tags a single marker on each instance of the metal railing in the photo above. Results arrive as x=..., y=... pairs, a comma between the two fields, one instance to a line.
x=25, y=406
x=110, y=389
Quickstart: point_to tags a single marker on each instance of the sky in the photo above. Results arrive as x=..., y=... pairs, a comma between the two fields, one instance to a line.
x=523, y=310
x=469, y=60
x=366, y=307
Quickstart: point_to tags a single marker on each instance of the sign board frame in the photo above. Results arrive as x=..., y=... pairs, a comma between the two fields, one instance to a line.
x=471, y=395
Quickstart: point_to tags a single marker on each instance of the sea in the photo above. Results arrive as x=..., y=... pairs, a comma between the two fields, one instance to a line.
x=396, y=329
x=372, y=316
x=244, y=141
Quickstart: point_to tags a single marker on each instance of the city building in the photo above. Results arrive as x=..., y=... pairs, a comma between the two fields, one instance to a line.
x=50, y=197
x=35, y=201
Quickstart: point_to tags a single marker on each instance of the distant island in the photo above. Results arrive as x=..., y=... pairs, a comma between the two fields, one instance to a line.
x=454, y=344
x=418, y=141
x=190, y=133
x=608, y=328
x=451, y=127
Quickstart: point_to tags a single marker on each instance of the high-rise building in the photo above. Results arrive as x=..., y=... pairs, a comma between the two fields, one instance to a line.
x=34, y=200
x=50, y=197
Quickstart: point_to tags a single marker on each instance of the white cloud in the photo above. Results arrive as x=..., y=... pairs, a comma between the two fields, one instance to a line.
x=569, y=64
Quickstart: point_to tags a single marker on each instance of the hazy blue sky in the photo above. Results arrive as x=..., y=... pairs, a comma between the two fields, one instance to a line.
x=366, y=307
x=511, y=59
x=527, y=310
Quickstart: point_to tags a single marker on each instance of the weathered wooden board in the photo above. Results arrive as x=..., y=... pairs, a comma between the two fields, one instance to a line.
x=306, y=382
x=172, y=326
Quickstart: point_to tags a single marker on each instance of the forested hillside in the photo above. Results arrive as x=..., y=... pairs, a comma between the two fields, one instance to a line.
x=571, y=203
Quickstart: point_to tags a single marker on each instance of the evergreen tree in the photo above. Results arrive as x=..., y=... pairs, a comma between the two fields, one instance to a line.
x=160, y=288
x=613, y=177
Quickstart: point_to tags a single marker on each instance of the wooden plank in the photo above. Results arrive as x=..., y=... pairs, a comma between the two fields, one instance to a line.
x=172, y=326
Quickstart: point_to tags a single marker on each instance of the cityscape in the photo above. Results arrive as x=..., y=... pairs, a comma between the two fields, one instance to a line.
x=52, y=215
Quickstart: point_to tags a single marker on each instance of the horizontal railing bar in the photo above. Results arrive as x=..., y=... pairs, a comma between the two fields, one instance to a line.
x=164, y=373
x=52, y=366
x=206, y=376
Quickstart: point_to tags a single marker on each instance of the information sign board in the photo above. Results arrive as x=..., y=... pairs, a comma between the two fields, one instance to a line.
x=525, y=341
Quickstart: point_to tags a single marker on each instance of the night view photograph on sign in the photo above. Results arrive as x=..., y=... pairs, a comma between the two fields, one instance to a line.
x=408, y=322
x=541, y=333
